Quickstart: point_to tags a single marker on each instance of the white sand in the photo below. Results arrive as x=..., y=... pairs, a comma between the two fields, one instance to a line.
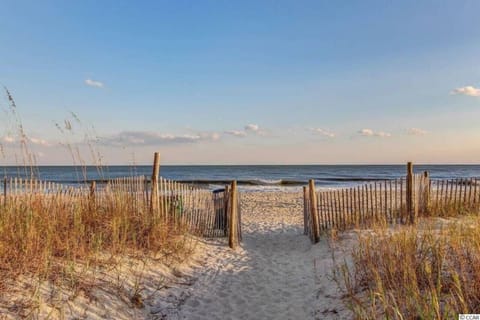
x=276, y=274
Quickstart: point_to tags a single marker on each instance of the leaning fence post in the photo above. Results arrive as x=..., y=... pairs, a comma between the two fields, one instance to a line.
x=313, y=211
x=154, y=193
x=226, y=200
x=409, y=195
x=305, y=217
x=232, y=237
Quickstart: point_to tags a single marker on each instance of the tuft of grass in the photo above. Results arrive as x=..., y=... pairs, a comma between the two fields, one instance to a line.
x=451, y=208
x=429, y=272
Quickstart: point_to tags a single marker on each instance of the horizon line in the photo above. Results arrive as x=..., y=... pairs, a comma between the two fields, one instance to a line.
x=250, y=164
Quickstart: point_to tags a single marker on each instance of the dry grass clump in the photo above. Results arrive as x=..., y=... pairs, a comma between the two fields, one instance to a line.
x=451, y=208
x=415, y=273
x=40, y=232
x=43, y=235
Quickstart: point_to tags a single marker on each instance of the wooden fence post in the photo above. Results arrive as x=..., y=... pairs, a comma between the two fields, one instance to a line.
x=426, y=192
x=313, y=211
x=155, y=173
x=226, y=200
x=305, y=210
x=409, y=195
x=233, y=236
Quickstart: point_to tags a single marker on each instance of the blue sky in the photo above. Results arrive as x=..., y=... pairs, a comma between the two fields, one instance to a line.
x=245, y=81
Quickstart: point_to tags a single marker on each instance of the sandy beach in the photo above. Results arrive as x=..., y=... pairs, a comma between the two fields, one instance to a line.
x=276, y=274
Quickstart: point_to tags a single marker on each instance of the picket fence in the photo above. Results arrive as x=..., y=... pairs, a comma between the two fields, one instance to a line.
x=202, y=212
x=397, y=201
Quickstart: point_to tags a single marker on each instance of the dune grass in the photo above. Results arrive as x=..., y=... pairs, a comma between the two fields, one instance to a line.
x=55, y=248
x=42, y=234
x=428, y=271
x=63, y=238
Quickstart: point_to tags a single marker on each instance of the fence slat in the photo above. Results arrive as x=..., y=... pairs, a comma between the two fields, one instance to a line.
x=313, y=211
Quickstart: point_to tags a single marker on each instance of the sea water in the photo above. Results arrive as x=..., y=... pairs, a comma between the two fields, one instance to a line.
x=249, y=177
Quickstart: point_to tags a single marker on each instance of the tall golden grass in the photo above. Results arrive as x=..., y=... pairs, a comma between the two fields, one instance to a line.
x=40, y=234
x=430, y=271
x=46, y=237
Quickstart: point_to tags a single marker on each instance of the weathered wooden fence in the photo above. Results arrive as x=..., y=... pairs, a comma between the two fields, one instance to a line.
x=457, y=195
x=201, y=211
x=398, y=201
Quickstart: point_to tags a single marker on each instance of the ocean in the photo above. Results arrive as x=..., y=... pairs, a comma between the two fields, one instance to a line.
x=249, y=177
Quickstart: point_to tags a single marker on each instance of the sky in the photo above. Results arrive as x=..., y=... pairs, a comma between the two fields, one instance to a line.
x=240, y=82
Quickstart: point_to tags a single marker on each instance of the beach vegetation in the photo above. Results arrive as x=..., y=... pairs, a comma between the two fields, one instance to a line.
x=68, y=238
x=427, y=271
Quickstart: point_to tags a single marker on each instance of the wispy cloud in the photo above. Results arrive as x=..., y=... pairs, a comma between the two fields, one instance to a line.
x=416, y=132
x=252, y=127
x=323, y=132
x=93, y=83
x=382, y=134
x=34, y=141
x=236, y=133
x=40, y=142
x=365, y=132
x=467, y=91
x=371, y=133
x=255, y=129
x=249, y=129
x=146, y=138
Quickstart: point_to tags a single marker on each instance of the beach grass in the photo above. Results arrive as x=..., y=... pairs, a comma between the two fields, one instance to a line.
x=428, y=271
x=63, y=238
x=40, y=234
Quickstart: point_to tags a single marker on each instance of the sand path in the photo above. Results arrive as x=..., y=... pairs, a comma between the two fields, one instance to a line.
x=277, y=274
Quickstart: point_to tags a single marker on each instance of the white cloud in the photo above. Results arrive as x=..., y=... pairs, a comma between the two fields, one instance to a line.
x=382, y=134
x=255, y=129
x=152, y=138
x=416, y=131
x=252, y=127
x=236, y=133
x=39, y=142
x=366, y=132
x=248, y=130
x=371, y=133
x=93, y=83
x=34, y=141
x=323, y=132
x=467, y=91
